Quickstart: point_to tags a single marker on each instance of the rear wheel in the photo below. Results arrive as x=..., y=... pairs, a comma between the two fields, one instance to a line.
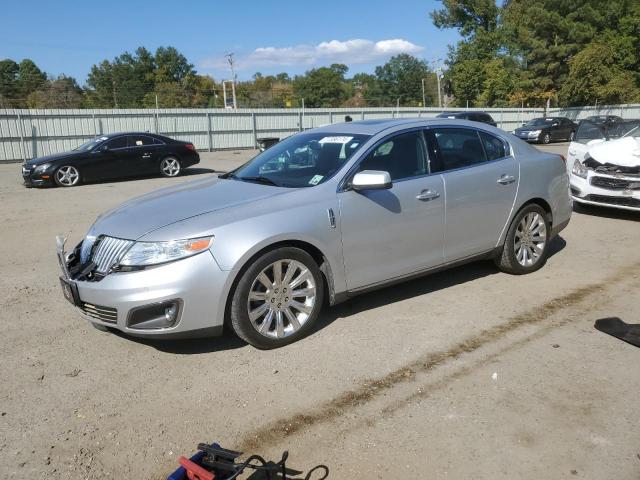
x=526, y=246
x=67, y=176
x=278, y=298
x=170, y=167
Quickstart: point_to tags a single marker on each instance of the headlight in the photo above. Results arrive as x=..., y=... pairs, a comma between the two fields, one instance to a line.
x=153, y=253
x=535, y=133
x=41, y=168
x=579, y=169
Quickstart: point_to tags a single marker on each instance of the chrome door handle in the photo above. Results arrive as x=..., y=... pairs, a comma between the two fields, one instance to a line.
x=506, y=179
x=426, y=195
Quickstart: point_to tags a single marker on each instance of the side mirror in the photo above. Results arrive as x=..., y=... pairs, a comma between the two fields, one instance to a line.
x=371, y=180
x=103, y=148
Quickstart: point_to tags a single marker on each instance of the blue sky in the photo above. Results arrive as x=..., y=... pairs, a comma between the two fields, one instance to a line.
x=293, y=36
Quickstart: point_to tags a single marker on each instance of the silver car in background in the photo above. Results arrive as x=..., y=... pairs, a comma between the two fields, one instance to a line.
x=323, y=215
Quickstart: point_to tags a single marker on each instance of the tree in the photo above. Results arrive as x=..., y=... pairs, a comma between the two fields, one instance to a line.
x=171, y=65
x=401, y=78
x=30, y=79
x=322, y=87
x=63, y=92
x=8, y=82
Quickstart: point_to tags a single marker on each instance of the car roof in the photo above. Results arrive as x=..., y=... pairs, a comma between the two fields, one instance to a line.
x=372, y=127
x=117, y=134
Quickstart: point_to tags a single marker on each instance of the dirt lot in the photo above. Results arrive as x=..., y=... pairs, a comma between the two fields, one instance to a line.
x=466, y=374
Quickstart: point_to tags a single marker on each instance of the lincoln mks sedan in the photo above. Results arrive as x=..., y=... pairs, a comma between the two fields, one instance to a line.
x=319, y=217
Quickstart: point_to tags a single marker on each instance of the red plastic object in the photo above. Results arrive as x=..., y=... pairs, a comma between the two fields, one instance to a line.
x=195, y=471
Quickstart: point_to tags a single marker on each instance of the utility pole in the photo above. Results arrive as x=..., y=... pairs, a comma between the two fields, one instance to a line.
x=229, y=57
x=438, y=72
x=424, y=98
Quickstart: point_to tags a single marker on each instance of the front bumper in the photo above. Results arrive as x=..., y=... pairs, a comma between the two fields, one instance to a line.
x=197, y=283
x=582, y=191
x=528, y=136
x=31, y=179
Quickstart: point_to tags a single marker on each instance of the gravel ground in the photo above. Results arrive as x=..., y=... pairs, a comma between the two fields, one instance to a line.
x=469, y=373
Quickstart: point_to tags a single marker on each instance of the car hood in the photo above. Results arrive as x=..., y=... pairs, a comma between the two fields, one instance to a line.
x=158, y=209
x=50, y=158
x=624, y=152
x=528, y=129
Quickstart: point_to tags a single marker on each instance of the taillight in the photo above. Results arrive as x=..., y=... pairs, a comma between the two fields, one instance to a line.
x=190, y=146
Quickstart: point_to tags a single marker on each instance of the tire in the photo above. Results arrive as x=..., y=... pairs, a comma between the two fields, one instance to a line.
x=277, y=319
x=170, y=167
x=513, y=258
x=102, y=328
x=67, y=176
x=546, y=138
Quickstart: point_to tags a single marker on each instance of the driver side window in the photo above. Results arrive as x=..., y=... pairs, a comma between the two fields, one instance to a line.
x=403, y=156
x=118, y=142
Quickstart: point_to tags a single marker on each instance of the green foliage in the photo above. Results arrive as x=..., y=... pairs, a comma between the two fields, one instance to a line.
x=401, y=78
x=8, y=82
x=571, y=51
x=322, y=87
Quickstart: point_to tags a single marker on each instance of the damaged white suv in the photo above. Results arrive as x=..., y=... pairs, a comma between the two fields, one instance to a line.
x=604, y=165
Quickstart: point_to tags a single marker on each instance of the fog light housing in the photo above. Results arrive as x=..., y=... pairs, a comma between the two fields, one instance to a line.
x=155, y=316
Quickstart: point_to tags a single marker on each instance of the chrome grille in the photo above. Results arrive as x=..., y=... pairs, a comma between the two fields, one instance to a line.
x=108, y=252
x=85, y=248
x=106, y=314
x=615, y=183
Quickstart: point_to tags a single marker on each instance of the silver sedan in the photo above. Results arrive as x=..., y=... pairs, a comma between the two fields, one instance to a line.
x=321, y=216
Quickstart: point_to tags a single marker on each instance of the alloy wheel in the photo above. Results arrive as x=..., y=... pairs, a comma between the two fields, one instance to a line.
x=281, y=298
x=530, y=239
x=170, y=167
x=67, y=176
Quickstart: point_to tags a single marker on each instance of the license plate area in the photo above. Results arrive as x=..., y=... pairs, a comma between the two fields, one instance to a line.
x=70, y=292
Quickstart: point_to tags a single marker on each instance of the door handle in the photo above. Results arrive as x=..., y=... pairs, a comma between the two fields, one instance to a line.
x=506, y=179
x=426, y=195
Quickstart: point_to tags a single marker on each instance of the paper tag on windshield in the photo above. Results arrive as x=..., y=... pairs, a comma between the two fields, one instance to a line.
x=316, y=179
x=336, y=140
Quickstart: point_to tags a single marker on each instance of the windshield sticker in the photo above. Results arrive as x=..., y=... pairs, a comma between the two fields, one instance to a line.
x=103, y=138
x=336, y=140
x=138, y=142
x=316, y=178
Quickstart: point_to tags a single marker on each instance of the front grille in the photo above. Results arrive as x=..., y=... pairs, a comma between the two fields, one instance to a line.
x=106, y=314
x=108, y=251
x=622, y=201
x=615, y=183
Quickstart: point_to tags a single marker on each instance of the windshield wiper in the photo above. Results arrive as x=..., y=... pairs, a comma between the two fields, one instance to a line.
x=258, y=179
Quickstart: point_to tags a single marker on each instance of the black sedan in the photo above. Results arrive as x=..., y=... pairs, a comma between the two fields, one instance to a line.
x=116, y=155
x=605, y=119
x=473, y=116
x=547, y=129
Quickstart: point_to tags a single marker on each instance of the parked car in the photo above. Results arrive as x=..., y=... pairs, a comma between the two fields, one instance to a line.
x=604, y=165
x=324, y=214
x=605, y=119
x=111, y=156
x=473, y=116
x=547, y=129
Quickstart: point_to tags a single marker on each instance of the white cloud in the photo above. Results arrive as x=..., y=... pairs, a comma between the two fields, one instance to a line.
x=350, y=52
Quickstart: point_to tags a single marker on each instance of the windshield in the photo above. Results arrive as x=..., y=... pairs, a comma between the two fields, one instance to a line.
x=589, y=130
x=91, y=144
x=539, y=122
x=302, y=160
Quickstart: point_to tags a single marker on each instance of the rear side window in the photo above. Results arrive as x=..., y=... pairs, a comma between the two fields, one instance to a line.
x=118, y=142
x=493, y=146
x=140, y=140
x=403, y=156
x=456, y=148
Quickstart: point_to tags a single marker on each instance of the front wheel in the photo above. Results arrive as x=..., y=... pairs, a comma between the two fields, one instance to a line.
x=526, y=246
x=546, y=138
x=67, y=176
x=170, y=167
x=277, y=299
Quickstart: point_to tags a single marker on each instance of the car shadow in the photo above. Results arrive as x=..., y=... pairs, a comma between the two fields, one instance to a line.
x=605, y=212
x=358, y=304
x=187, y=172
